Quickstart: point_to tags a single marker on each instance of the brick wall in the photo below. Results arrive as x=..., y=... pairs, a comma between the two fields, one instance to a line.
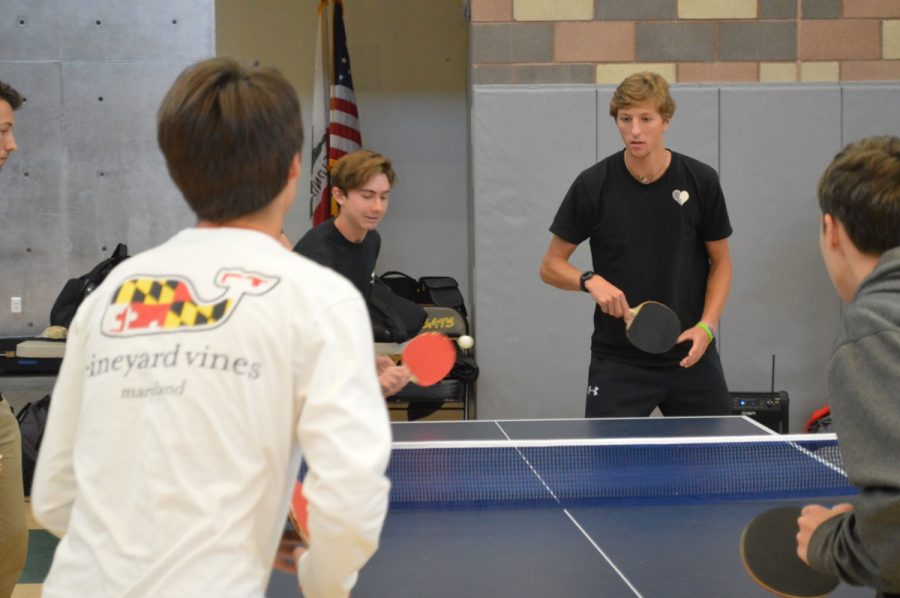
x=602, y=41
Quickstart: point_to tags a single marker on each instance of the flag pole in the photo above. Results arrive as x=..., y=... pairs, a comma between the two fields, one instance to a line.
x=320, y=191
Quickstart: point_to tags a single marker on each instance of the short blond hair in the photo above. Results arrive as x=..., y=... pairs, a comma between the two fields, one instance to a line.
x=642, y=87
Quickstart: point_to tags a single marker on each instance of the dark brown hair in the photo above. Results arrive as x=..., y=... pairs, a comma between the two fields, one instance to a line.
x=228, y=133
x=861, y=189
x=10, y=95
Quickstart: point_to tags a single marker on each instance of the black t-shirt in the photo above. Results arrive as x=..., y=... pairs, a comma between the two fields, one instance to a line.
x=648, y=240
x=324, y=244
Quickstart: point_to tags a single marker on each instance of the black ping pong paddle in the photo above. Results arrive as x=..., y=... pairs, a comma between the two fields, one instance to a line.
x=653, y=328
x=769, y=553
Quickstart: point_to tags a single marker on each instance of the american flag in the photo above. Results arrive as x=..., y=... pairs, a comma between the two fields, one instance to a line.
x=341, y=132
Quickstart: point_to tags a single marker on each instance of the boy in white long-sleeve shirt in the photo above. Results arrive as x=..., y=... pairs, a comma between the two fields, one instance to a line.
x=198, y=373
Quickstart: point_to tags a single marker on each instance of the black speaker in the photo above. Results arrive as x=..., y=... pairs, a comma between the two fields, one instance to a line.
x=768, y=408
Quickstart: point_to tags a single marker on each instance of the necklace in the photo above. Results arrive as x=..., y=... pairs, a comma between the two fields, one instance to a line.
x=646, y=180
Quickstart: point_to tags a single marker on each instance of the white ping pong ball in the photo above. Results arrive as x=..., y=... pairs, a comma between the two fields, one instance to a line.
x=465, y=341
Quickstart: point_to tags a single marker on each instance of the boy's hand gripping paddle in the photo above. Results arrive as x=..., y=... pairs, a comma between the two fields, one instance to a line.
x=430, y=357
x=769, y=554
x=653, y=328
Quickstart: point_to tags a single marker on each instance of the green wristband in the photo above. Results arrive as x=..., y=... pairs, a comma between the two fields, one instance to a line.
x=706, y=327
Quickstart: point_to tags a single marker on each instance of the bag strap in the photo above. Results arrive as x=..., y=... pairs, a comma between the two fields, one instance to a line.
x=119, y=254
x=397, y=274
x=121, y=251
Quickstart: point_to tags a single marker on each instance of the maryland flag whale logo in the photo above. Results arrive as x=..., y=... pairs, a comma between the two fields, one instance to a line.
x=149, y=305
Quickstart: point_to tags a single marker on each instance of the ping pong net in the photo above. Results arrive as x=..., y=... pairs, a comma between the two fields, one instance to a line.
x=483, y=473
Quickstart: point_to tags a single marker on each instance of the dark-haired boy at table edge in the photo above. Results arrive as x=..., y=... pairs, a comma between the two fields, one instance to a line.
x=859, y=196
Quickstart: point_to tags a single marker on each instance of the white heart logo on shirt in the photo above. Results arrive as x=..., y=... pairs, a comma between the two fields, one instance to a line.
x=680, y=196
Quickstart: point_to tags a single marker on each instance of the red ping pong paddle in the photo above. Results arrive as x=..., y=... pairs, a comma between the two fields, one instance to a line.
x=769, y=554
x=430, y=357
x=653, y=328
x=298, y=514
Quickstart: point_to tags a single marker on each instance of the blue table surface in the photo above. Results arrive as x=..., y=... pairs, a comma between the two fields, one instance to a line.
x=629, y=550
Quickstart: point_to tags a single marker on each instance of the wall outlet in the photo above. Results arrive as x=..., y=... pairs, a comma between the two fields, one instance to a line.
x=15, y=305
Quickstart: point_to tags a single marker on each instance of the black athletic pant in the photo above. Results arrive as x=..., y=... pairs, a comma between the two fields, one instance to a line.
x=618, y=389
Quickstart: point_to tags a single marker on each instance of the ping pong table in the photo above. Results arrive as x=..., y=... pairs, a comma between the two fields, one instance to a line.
x=447, y=533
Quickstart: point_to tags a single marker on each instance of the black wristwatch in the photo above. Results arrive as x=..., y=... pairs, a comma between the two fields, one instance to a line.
x=584, y=278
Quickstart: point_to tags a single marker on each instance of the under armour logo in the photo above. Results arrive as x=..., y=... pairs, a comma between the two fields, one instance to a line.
x=593, y=391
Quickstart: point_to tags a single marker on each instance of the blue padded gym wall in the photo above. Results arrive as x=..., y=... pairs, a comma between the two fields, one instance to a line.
x=88, y=173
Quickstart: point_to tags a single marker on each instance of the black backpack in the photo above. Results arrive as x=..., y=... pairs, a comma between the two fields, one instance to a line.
x=76, y=289
x=32, y=419
x=442, y=291
x=394, y=318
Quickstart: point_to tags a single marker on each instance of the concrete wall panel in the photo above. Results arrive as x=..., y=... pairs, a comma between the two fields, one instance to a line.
x=88, y=173
x=162, y=30
x=29, y=30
